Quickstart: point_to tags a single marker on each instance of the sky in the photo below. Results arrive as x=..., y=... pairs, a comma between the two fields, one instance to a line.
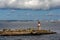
x=30, y=10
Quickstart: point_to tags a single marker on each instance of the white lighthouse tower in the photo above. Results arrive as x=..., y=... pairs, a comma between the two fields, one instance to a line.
x=39, y=25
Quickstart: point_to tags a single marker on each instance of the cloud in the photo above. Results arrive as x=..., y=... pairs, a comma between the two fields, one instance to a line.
x=30, y=4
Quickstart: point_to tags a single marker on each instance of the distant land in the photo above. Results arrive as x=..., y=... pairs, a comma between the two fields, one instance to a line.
x=29, y=20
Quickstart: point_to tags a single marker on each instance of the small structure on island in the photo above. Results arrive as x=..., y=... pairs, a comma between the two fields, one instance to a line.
x=39, y=25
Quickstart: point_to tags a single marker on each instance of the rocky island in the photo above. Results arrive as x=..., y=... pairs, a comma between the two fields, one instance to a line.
x=30, y=31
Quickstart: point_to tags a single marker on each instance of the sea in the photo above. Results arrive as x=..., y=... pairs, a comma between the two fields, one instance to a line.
x=25, y=24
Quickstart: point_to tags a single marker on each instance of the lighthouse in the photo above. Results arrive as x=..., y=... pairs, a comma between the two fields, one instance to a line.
x=39, y=25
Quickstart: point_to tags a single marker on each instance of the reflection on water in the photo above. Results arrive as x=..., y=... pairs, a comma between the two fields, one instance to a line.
x=37, y=37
